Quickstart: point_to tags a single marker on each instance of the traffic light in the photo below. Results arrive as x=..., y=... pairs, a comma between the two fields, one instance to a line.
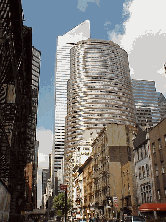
x=110, y=201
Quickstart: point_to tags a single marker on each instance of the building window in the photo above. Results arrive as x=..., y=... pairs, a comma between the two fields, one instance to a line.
x=146, y=152
x=153, y=147
x=143, y=171
x=138, y=154
x=146, y=193
x=165, y=192
x=140, y=173
x=147, y=170
x=159, y=142
x=156, y=170
x=143, y=195
x=162, y=167
x=142, y=198
x=141, y=153
x=127, y=175
x=128, y=188
x=149, y=193
x=158, y=195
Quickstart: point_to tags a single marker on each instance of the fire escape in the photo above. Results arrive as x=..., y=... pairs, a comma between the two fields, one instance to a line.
x=17, y=107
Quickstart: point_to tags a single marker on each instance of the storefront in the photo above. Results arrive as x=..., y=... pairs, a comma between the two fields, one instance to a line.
x=153, y=210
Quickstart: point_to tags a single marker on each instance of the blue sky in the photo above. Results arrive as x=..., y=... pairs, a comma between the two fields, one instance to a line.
x=138, y=26
x=56, y=18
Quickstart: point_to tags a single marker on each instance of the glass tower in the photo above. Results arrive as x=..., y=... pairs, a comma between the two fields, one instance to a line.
x=146, y=102
x=62, y=75
x=161, y=105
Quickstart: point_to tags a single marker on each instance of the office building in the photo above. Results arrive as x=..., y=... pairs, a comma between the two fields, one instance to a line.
x=19, y=87
x=146, y=102
x=157, y=162
x=45, y=177
x=143, y=167
x=62, y=75
x=104, y=184
x=161, y=105
x=157, y=137
x=113, y=171
x=99, y=92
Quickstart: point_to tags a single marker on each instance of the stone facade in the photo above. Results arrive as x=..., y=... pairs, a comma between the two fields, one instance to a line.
x=111, y=152
x=157, y=137
x=143, y=169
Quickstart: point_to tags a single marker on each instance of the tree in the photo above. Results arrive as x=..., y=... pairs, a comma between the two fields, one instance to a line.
x=59, y=204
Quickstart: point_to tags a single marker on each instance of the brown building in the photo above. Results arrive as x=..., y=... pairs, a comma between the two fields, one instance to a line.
x=157, y=159
x=157, y=138
x=19, y=85
x=85, y=200
x=111, y=152
x=129, y=188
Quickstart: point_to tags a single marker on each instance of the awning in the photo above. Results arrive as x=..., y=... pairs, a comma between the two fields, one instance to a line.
x=152, y=207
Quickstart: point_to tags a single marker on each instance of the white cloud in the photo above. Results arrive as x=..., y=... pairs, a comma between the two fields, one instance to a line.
x=162, y=71
x=126, y=7
x=107, y=23
x=145, y=39
x=45, y=138
x=42, y=157
x=83, y=4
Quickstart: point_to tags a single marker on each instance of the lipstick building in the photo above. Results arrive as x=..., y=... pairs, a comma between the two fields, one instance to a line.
x=99, y=93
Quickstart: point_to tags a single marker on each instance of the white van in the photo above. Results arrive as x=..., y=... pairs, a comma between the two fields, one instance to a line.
x=134, y=219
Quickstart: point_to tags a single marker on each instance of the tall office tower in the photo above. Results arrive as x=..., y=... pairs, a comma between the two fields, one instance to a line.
x=99, y=92
x=62, y=75
x=146, y=102
x=161, y=105
x=45, y=177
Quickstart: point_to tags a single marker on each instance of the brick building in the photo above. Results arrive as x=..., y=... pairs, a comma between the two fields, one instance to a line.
x=157, y=138
x=111, y=152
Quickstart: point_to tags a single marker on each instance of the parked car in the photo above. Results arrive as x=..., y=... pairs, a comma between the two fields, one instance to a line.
x=134, y=219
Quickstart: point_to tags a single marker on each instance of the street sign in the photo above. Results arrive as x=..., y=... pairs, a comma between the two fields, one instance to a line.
x=116, y=205
x=109, y=201
x=63, y=187
x=115, y=199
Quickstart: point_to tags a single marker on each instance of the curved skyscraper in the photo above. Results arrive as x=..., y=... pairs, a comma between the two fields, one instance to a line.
x=62, y=75
x=99, y=91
